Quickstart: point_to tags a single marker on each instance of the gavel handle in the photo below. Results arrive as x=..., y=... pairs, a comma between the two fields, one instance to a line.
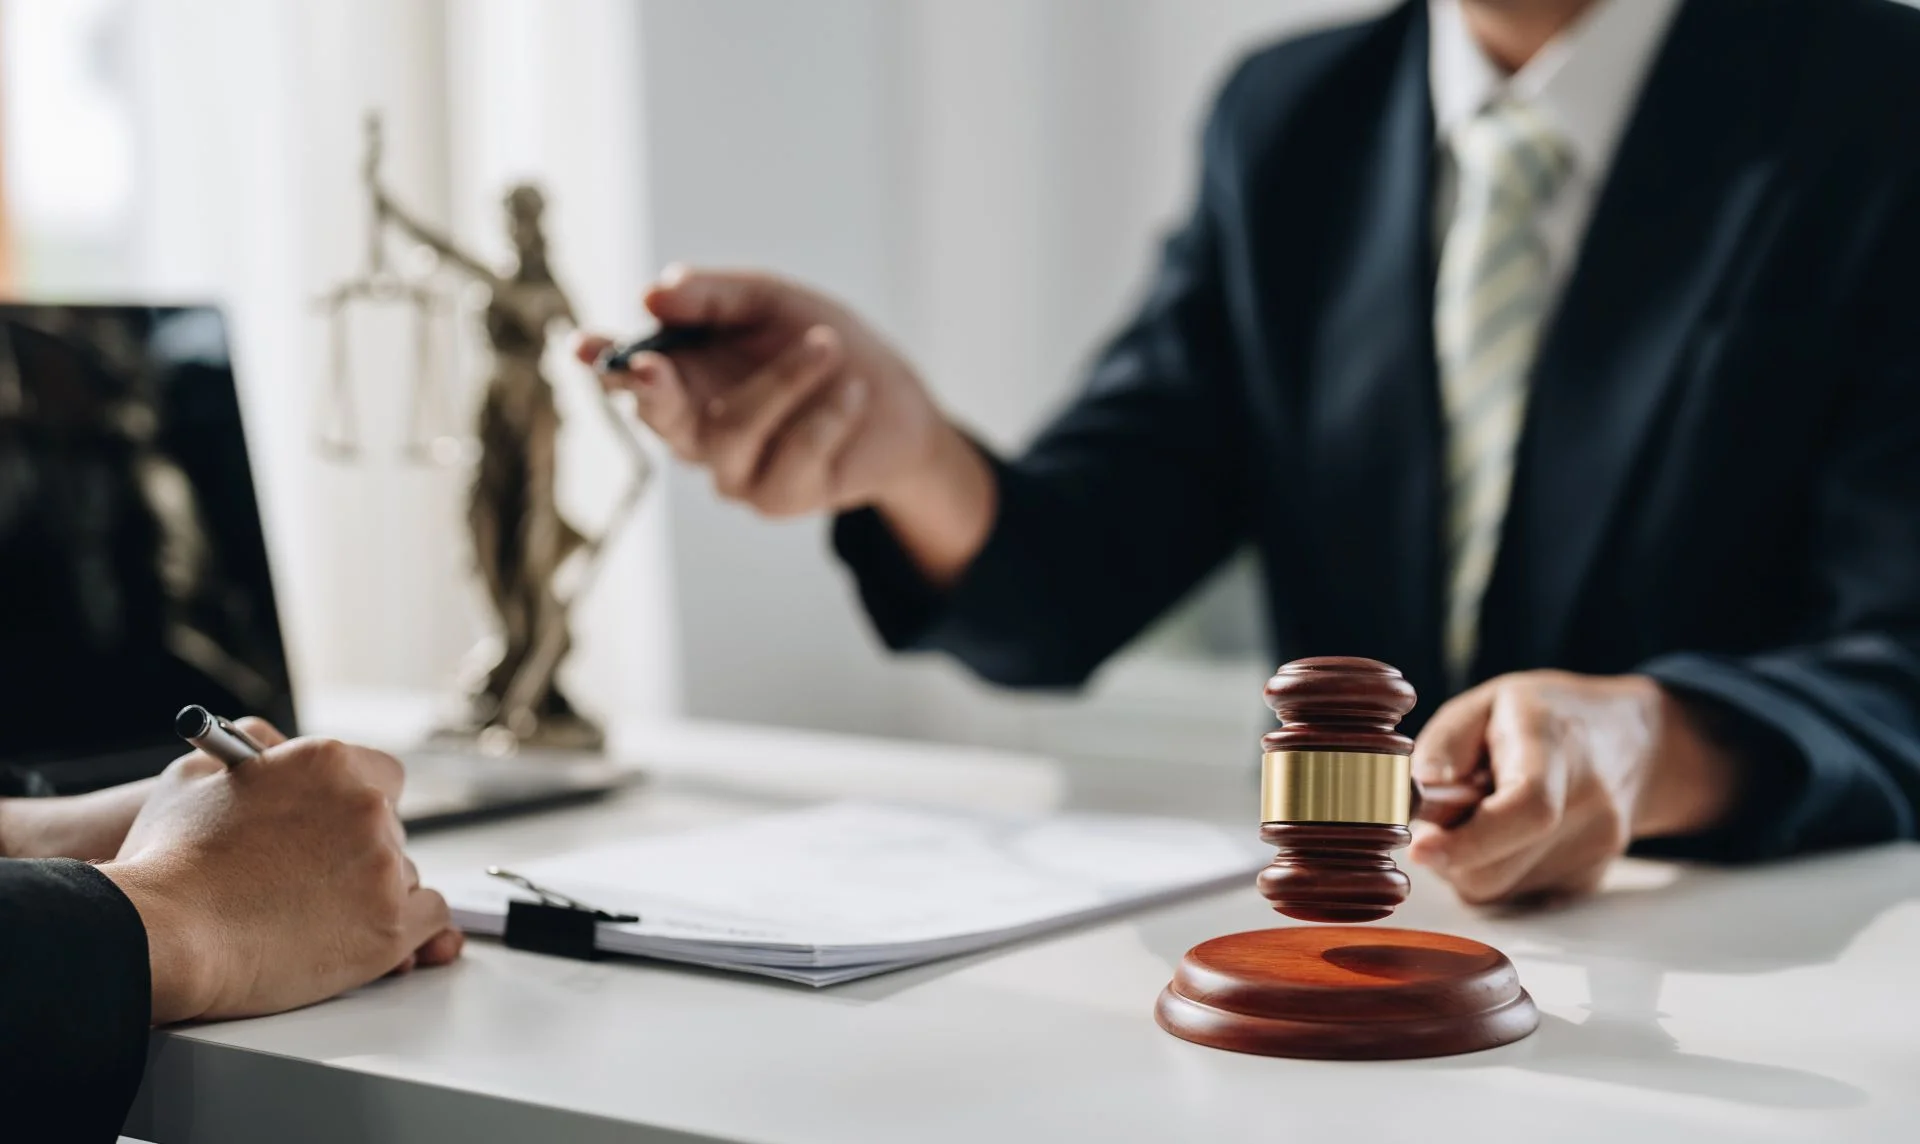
x=1450, y=804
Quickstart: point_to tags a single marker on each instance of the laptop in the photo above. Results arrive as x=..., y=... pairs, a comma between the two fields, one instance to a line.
x=134, y=577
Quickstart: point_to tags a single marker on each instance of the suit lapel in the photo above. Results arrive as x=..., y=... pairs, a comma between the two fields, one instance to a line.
x=1687, y=182
x=1372, y=452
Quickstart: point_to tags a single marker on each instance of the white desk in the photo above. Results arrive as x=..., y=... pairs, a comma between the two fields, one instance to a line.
x=1775, y=1004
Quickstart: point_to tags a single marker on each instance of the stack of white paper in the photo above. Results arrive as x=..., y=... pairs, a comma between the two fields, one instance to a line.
x=847, y=890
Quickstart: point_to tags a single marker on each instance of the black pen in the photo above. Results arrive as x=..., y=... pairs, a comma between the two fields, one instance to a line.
x=215, y=735
x=665, y=340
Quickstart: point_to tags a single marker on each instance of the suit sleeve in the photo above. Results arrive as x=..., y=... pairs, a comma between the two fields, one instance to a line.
x=1829, y=729
x=1125, y=502
x=74, y=1002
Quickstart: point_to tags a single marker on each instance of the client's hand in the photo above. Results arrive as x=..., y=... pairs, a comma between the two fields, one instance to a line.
x=277, y=883
x=798, y=406
x=89, y=827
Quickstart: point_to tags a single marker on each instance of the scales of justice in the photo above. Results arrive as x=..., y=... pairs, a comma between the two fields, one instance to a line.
x=534, y=563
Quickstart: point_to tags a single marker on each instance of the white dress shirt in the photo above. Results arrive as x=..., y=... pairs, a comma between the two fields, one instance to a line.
x=1586, y=81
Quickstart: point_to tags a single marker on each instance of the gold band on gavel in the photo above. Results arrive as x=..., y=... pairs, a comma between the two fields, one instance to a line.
x=1336, y=786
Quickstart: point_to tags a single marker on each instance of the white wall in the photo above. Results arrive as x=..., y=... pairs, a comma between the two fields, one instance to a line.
x=773, y=141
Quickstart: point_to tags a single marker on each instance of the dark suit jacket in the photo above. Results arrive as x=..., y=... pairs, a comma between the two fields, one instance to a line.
x=74, y=1002
x=1719, y=478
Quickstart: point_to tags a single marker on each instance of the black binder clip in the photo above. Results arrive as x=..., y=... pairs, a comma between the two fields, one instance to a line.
x=556, y=924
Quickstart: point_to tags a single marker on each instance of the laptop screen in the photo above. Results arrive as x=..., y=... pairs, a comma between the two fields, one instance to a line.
x=133, y=569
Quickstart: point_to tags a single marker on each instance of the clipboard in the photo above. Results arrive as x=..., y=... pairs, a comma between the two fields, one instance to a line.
x=555, y=924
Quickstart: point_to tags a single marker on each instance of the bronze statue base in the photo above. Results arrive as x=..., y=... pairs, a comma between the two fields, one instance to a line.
x=569, y=733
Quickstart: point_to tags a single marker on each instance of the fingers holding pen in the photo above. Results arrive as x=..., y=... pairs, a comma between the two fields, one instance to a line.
x=769, y=437
x=260, y=731
x=725, y=298
x=738, y=425
x=802, y=473
x=663, y=400
x=588, y=350
x=796, y=406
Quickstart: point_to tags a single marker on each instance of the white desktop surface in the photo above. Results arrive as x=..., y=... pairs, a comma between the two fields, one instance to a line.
x=1779, y=1003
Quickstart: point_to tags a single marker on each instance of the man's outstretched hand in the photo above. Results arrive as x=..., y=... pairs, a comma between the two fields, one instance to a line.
x=796, y=406
x=276, y=883
x=1582, y=765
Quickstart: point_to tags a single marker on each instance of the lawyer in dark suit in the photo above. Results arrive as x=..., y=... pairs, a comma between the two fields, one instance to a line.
x=204, y=893
x=1696, y=620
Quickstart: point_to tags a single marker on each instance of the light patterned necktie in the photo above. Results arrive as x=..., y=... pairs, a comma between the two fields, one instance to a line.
x=1490, y=306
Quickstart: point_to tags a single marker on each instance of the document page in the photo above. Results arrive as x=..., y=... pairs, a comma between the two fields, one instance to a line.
x=862, y=884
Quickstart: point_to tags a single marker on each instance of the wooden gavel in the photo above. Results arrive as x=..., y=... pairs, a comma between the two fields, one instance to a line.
x=1337, y=790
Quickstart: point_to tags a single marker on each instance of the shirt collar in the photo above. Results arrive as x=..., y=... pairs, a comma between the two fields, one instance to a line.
x=1586, y=79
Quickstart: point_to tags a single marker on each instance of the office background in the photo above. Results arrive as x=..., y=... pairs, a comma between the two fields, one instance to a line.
x=984, y=178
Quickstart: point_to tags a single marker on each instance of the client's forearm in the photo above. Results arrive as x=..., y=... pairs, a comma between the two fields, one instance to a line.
x=86, y=826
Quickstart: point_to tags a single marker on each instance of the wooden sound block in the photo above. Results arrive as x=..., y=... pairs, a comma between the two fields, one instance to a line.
x=1346, y=993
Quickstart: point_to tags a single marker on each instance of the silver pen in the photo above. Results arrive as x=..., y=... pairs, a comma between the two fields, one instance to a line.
x=215, y=735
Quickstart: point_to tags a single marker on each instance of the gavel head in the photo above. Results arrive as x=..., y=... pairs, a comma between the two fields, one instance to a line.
x=1336, y=789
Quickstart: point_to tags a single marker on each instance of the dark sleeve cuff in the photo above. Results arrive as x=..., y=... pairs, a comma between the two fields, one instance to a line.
x=75, y=1001
x=1010, y=617
x=902, y=605
x=1803, y=784
x=906, y=610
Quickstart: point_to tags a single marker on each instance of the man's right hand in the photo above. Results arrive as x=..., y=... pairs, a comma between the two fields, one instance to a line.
x=798, y=407
x=277, y=883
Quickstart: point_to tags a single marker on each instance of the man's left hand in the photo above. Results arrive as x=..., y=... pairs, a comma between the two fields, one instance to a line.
x=1582, y=765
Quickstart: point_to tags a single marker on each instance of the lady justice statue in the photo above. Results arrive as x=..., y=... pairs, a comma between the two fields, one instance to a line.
x=522, y=544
